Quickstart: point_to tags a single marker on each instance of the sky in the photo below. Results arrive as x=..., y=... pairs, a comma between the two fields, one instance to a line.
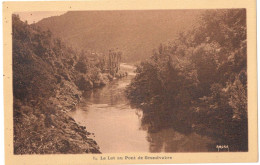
x=33, y=17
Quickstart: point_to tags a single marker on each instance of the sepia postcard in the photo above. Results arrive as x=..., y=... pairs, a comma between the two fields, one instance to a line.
x=130, y=82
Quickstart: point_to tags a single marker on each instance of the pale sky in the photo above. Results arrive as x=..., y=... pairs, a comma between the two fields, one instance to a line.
x=33, y=17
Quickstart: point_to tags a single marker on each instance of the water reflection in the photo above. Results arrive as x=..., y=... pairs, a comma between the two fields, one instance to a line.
x=118, y=127
x=169, y=140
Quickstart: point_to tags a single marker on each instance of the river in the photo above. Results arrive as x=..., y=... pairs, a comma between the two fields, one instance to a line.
x=116, y=126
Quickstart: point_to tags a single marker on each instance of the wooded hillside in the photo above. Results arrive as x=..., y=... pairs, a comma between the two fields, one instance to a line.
x=198, y=82
x=48, y=81
x=136, y=33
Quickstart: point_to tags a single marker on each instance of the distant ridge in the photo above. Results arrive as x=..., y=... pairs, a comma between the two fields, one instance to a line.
x=136, y=33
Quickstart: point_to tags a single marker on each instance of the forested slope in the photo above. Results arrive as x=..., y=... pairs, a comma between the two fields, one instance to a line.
x=135, y=32
x=48, y=80
x=198, y=82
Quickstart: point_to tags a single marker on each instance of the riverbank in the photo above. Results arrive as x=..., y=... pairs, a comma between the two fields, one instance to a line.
x=46, y=128
x=188, y=85
x=49, y=79
x=42, y=125
x=107, y=114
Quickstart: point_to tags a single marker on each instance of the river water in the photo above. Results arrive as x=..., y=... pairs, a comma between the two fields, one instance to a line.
x=116, y=127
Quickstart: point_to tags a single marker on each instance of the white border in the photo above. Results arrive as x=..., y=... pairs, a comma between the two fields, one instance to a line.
x=1, y=84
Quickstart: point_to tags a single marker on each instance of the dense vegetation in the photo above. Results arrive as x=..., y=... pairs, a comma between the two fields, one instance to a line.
x=198, y=82
x=135, y=32
x=49, y=79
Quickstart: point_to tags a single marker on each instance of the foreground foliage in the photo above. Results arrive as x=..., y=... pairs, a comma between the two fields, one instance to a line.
x=48, y=81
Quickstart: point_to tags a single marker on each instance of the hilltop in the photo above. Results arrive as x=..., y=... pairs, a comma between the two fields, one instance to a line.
x=135, y=33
